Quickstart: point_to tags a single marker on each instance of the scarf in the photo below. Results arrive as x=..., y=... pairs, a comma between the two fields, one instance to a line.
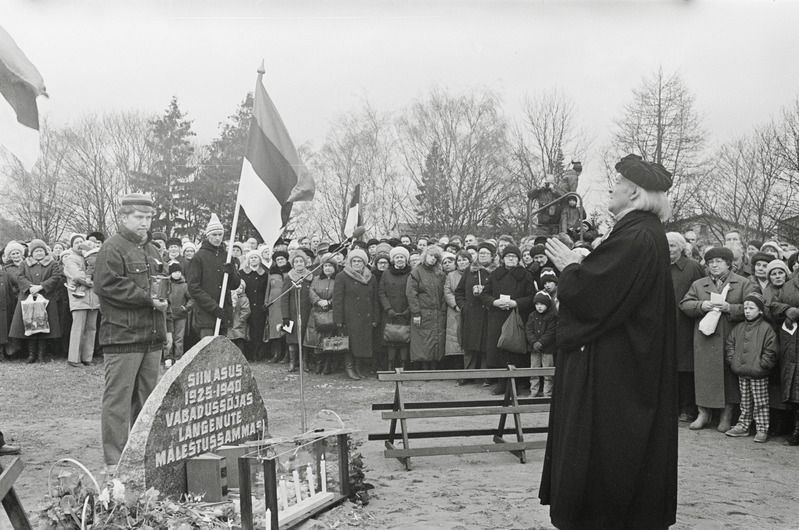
x=360, y=277
x=720, y=280
x=44, y=262
x=296, y=277
x=400, y=272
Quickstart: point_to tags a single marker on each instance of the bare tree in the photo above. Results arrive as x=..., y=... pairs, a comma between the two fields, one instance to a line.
x=470, y=136
x=661, y=125
x=751, y=184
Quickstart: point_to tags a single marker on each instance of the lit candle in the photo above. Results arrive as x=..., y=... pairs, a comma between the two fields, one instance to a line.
x=268, y=519
x=296, y=476
x=309, y=477
x=323, y=472
x=284, y=495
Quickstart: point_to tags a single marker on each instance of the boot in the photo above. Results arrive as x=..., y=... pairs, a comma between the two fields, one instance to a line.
x=348, y=367
x=701, y=420
x=321, y=362
x=293, y=360
x=308, y=364
x=42, y=351
x=357, y=365
x=725, y=422
x=793, y=439
x=30, y=345
x=329, y=365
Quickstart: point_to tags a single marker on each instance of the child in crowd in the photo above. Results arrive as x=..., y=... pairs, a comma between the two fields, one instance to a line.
x=239, y=331
x=751, y=352
x=179, y=303
x=541, y=326
x=78, y=285
x=549, y=284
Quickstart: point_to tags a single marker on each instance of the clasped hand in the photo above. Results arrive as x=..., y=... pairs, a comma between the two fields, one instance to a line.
x=708, y=306
x=505, y=304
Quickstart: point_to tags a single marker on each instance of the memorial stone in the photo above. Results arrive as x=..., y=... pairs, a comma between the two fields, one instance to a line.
x=208, y=399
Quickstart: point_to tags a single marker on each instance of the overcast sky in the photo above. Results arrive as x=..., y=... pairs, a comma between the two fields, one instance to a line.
x=324, y=58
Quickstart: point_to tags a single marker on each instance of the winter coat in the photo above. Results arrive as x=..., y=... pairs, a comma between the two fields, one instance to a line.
x=321, y=289
x=241, y=314
x=789, y=344
x=49, y=275
x=129, y=322
x=541, y=328
x=355, y=307
x=683, y=274
x=751, y=349
x=425, y=291
x=516, y=283
x=5, y=294
x=75, y=272
x=274, y=307
x=12, y=274
x=204, y=276
x=715, y=384
x=288, y=304
x=775, y=393
x=393, y=298
x=452, y=345
x=257, y=281
x=179, y=299
x=474, y=315
x=611, y=457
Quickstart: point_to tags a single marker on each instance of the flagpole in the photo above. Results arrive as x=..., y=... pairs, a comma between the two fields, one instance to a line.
x=229, y=258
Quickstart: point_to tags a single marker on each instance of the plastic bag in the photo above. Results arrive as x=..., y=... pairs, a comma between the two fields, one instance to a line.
x=710, y=321
x=512, y=339
x=34, y=315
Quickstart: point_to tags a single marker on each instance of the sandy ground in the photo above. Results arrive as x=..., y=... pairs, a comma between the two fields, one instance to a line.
x=53, y=411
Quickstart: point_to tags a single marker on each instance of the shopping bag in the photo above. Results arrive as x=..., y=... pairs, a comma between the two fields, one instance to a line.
x=34, y=315
x=512, y=339
x=336, y=343
x=710, y=321
x=323, y=321
x=397, y=333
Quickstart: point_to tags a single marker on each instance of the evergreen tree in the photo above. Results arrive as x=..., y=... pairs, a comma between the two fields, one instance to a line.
x=433, y=196
x=169, y=141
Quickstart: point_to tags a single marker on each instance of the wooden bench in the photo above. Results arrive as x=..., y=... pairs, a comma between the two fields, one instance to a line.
x=14, y=510
x=511, y=404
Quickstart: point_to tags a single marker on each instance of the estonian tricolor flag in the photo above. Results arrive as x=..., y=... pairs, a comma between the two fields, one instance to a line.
x=272, y=176
x=353, y=213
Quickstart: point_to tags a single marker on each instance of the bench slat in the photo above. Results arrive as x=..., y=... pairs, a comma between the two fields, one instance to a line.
x=457, y=412
x=460, y=433
x=464, y=449
x=451, y=404
x=452, y=375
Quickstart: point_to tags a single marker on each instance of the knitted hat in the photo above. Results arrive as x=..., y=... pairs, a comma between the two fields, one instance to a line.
x=512, y=249
x=214, y=225
x=356, y=253
x=138, y=200
x=73, y=237
x=538, y=250
x=384, y=248
x=372, y=241
x=755, y=243
x=175, y=267
x=328, y=258
x=399, y=251
x=548, y=275
x=761, y=256
x=540, y=240
x=719, y=252
x=649, y=175
x=542, y=297
x=239, y=245
x=777, y=264
x=255, y=253
x=37, y=243
x=757, y=299
x=447, y=255
x=772, y=244
x=99, y=236
x=487, y=245
x=11, y=247
x=302, y=251
x=188, y=245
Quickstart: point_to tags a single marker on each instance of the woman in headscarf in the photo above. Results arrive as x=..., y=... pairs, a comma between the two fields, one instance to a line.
x=321, y=295
x=273, y=334
x=425, y=291
x=40, y=275
x=256, y=278
x=394, y=302
x=716, y=386
x=355, y=310
x=509, y=287
x=297, y=302
x=452, y=346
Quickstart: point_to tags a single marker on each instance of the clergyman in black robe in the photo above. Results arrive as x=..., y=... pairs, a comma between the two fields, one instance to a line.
x=611, y=457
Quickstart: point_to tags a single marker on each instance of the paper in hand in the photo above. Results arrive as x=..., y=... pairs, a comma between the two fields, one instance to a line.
x=716, y=298
x=786, y=329
x=288, y=328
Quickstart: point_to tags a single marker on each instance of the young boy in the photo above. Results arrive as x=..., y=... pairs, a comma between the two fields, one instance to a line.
x=78, y=284
x=239, y=332
x=541, y=326
x=751, y=352
x=549, y=284
x=179, y=303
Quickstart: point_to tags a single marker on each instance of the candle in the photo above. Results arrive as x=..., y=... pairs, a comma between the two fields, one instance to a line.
x=296, y=476
x=323, y=472
x=284, y=495
x=309, y=477
x=268, y=519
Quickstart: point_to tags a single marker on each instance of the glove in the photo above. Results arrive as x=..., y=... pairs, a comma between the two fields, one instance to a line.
x=538, y=346
x=286, y=321
x=230, y=268
x=792, y=313
x=219, y=313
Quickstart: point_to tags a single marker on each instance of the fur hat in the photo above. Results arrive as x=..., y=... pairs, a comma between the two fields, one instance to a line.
x=487, y=245
x=175, y=267
x=775, y=265
x=542, y=297
x=356, y=253
x=538, y=250
x=173, y=242
x=384, y=248
x=73, y=237
x=11, y=247
x=280, y=254
x=214, y=225
x=761, y=256
x=37, y=243
x=512, y=249
x=757, y=299
x=255, y=253
x=99, y=236
x=399, y=251
x=720, y=252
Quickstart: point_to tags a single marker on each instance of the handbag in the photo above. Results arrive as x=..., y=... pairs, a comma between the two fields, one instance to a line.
x=323, y=321
x=34, y=314
x=336, y=343
x=397, y=333
x=512, y=339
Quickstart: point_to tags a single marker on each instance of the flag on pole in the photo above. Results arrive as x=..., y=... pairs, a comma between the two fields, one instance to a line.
x=354, y=213
x=272, y=176
x=20, y=84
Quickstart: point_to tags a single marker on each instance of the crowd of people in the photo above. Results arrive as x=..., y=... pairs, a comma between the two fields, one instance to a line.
x=428, y=303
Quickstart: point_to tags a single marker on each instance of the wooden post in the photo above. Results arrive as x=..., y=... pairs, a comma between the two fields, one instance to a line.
x=14, y=510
